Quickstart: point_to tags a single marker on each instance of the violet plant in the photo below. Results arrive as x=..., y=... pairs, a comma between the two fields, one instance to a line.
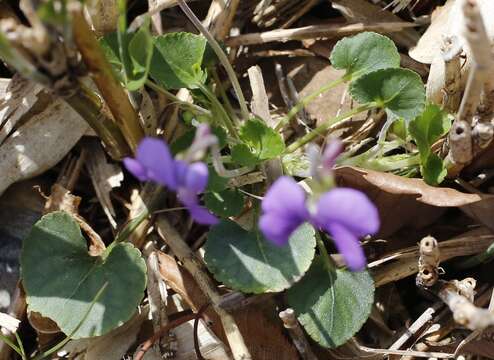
x=269, y=246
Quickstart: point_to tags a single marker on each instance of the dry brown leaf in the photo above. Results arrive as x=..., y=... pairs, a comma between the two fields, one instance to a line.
x=363, y=11
x=17, y=99
x=40, y=143
x=263, y=335
x=112, y=346
x=404, y=201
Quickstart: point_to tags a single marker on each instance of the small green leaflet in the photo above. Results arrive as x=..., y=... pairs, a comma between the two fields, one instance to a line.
x=177, y=60
x=137, y=56
x=61, y=279
x=364, y=53
x=260, y=143
x=332, y=304
x=426, y=129
x=399, y=91
x=246, y=261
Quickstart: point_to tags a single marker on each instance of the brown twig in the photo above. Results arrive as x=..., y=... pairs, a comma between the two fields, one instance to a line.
x=100, y=70
x=198, y=271
x=290, y=322
x=145, y=346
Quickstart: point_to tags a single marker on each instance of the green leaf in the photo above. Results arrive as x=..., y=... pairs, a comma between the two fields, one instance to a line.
x=246, y=261
x=364, y=53
x=426, y=129
x=332, y=304
x=400, y=91
x=177, y=60
x=260, y=142
x=242, y=155
x=61, y=279
x=140, y=53
x=226, y=203
x=216, y=183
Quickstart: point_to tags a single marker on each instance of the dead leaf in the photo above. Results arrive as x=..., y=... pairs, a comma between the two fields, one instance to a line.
x=104, y=176
x=403, y=201
x=113, y=345
x=40, y=143
x=263, y=334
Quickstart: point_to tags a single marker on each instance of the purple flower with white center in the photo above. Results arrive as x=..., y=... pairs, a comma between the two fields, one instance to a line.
x=346, y=214
x=155, y=162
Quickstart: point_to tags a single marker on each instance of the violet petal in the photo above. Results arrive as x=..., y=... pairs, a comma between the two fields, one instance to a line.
x=348, y=246
x=154, y=155
x=350, y=208
x=135, y=168
x=202, y=215
x=287, y=198
x=277, y=228
x=331, y=153
x=196, y=178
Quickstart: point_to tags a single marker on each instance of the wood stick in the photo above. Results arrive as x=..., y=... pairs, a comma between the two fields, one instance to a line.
x=297, y=334
x=200, y=274
x=329, y=31
x=102, y=74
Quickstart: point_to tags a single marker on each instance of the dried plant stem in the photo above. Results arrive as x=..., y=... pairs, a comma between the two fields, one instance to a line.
x=89, y=106
x=102, y=74
x=450, y=53
x=297, y=334
x=197, y=270
x=221, y=56
x=330, y=31
x=220, y=17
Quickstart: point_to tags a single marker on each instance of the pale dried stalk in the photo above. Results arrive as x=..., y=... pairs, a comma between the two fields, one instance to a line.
x=480, y=46
x=100, y=70
x=220, y=17
x=195, y=267
x=428, y=262
x=329, y=31
x=300, y=12
x=290, y=323
x=450, y=53
x=464, y=311
x=273, y=168
x=404, y=263
x=423, y=319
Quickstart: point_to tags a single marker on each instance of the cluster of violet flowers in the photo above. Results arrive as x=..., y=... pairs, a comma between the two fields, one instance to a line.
x=344, y=213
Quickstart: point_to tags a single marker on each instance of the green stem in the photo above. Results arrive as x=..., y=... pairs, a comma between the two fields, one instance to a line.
x=21, y=346
x=224, y=115
x=221, y=56
x=328, y=262
x=487, y=255
x=175, y=99
x=308, y=99
x=321, y=129
x=11, y=344
x=226, y=101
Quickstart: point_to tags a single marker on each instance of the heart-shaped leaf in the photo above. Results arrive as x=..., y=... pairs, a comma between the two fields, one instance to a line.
x=177, y=60
x=332, y=304
x=400, y=91
x=61, y=279
x=364, y=53
x=246, y=261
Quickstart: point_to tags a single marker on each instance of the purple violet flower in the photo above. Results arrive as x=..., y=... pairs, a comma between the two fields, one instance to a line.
x=346, y=214
x=155, y=162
